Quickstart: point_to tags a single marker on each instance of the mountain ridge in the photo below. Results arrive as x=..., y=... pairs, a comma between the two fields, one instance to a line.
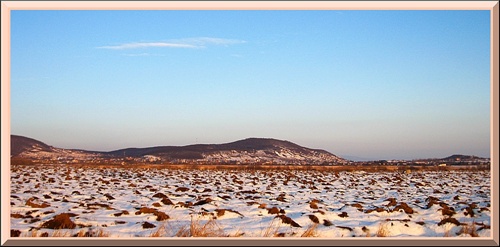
x=249, y=150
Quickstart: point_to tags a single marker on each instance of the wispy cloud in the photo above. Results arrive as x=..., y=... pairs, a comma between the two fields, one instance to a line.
x=142, y=55
x=146, y=45
x=200, y=42
x=205, y=41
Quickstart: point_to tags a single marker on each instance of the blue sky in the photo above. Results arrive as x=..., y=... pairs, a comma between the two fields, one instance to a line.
x=375, y=84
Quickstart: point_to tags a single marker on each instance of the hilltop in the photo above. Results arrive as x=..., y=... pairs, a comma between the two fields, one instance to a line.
x=250, y=150
x=246, y=151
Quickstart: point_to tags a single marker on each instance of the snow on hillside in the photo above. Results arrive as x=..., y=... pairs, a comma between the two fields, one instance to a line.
x=38, y=152
x=280, y=156
x=250, y=150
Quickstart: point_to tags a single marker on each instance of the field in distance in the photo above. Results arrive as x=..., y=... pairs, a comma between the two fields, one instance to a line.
x=249, y=201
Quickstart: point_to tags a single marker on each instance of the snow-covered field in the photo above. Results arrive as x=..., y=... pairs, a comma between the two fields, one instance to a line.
x=173, y=202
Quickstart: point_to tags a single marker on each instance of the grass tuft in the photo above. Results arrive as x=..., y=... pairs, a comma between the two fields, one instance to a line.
x=469, y=229
x=310, y=231
x=198, y=229
x=273, y=229
x=160, y=232
x=383, y=230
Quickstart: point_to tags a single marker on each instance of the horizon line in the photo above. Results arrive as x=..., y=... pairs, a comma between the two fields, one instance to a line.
x=344, y=156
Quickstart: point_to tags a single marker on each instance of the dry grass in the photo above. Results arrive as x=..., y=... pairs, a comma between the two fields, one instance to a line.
x=55, y=234
x=310, y=231
x=383, y=230
x=238, y=233
x=447, y=233
x=253, y=167
x=99, y=233
x=273, y=229
x=197, y=229
x=61, y=234
x=81, y=233
x=469, y=229
x=31, y=234
x=183, y=232
x=161, y=231
x=366, y=231
x=35, y=233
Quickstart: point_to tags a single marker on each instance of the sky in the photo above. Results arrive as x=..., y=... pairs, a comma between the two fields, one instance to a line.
x=375, y=84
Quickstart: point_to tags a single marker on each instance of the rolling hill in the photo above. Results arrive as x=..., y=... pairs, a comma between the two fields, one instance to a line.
x=250, y=150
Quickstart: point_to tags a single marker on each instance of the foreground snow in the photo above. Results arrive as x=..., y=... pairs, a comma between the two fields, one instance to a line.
x=117, y=202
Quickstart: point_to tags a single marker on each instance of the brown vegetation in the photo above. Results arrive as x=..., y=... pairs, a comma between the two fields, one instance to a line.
x=15, y=233
x=383, y=230
x=449, y=220
x=273, y=210
x=343, y=215
x=313, y=218
x=407, y=209
x=310, y=184
x=287, y=220
x=327, y=223
x=147, y=225
x=197, y=229
x=160, y=216
x=60, y=221
x=310, y=231
x=35, y=203
x=469, y=229
x=91, y=233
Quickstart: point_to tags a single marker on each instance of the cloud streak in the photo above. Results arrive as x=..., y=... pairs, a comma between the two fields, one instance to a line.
x=205, y=41
x=146, y=45
x=142, y=55
x=200, y=42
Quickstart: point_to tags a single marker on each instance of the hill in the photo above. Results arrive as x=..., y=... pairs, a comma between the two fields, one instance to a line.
x=250, y=150
x=20, y=144
x=31, y=149
x=460, y=157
